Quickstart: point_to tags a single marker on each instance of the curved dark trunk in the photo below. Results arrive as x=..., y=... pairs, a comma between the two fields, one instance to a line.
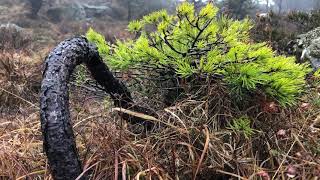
x=59, y=140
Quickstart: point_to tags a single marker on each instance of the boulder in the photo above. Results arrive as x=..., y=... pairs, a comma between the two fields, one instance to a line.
x=93, y=11
x=76, y=11
x=314, y=48
x=306, y=39
x=70, y=12
x=309, y=45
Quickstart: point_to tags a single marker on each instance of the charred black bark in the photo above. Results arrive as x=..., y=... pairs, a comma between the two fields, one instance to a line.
x=59, y=140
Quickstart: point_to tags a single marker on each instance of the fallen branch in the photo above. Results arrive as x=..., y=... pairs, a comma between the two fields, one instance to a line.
x=58, y=138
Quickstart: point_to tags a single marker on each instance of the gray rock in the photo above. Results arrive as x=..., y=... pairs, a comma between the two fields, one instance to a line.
x=97, y=11
x=307, y=38
x=314, y=48
x=70, y=12
x=309, y=44
x=75, y=11
x=11, y=27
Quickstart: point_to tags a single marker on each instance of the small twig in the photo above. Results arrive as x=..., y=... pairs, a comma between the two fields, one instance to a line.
x=30, y=174
x=165, y=38
x=124, y=170
x=206, y=145
x=88, y=118
x=136, y=114
x=147, y=117
x=24, y=100
x=177, y=117
x=116, y=164
x=144, y=172
x=231, y=174
x=86, y=170
x=200, y=32
x=190, y=22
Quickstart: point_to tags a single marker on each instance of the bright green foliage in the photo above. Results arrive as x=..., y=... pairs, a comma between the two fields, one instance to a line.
x=99, y=40
x=242, y=125
x=205, y=44
x=317, y=74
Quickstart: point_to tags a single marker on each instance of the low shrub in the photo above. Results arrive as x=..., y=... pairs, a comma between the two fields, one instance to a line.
x=191, y=46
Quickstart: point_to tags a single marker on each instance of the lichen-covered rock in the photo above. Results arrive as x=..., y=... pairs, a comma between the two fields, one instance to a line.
x=306, y=39
x=309, y=45
x=315, y=48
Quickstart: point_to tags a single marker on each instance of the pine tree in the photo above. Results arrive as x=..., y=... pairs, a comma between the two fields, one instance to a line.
x=191, y=45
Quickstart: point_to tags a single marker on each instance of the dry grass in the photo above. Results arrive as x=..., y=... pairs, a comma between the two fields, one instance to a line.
x=20, y=79
x=192, y=140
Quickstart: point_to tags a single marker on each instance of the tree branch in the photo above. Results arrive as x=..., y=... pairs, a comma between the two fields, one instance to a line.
x=200, y=32
x=170, y=45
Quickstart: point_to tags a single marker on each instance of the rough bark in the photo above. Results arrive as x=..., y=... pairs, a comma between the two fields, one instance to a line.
x=59, y=140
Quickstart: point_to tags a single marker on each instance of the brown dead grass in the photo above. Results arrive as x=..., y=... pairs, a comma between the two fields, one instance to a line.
x=20, y=79
x=188, y=142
